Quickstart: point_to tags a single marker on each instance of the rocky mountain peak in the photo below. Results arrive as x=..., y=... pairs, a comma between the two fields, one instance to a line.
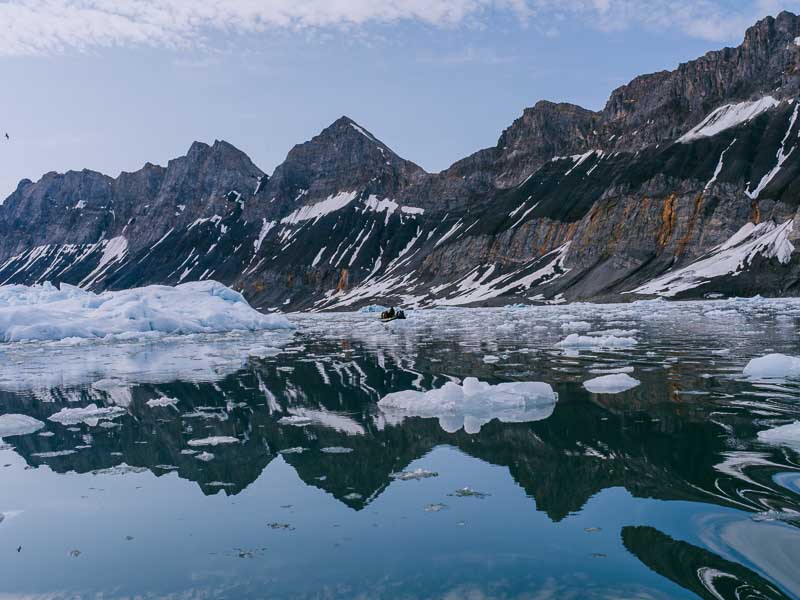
x=342, y=157
x=661, y=106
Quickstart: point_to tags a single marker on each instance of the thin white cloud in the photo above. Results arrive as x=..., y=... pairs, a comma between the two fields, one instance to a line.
x=31, y=27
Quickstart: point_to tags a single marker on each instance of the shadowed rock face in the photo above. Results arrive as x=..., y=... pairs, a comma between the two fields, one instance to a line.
x=570, y=203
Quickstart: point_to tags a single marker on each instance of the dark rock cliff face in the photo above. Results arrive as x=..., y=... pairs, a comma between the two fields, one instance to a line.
x=685, y=184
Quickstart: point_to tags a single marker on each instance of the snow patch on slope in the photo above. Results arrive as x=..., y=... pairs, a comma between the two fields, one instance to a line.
x=728, y=116
x=373, y=203
x=781, y=156
x=766, y=239
x=320, y=209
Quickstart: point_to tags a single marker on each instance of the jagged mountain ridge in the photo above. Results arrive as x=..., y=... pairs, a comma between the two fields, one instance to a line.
x=685, y=184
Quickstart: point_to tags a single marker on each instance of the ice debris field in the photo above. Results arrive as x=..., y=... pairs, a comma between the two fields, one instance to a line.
x=206, y=331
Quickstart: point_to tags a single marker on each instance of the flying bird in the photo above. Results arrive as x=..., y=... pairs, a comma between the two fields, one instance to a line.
x=8, y=138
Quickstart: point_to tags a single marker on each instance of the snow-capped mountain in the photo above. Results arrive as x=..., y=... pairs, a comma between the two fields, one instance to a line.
x=684, y=185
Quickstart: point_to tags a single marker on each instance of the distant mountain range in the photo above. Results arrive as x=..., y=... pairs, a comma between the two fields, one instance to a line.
x=685, y=185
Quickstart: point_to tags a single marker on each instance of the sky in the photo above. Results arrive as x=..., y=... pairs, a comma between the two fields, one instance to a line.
x=111, y=84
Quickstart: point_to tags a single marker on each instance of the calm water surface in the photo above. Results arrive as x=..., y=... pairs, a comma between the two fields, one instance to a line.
x=662, y=491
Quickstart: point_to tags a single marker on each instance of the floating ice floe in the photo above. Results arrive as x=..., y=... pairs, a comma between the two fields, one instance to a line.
x=773, y=366
x=214, y=441
x=785, y=435
x=416, y=474
x=336, y=450
x=44, y=312
x=54, y=454
x=473, y=404
x=11, y=425
x=90, y=415
x=468, y=492
x=295, y=420
x=162, y=402
x=611, y=384
x=574, y=340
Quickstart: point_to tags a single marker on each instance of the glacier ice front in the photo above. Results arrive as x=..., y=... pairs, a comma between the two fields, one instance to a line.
x=44, y=312
x=473, y=404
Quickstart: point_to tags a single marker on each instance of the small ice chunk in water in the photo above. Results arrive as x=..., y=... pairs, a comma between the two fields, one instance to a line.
x=11, y=425
x=214, y=441
x=295, y=450
x=205, y=456
x=491, y=359
x=54, y=454
x=576, y=326
x=785, y=435
x=773, y=366
x=611, y=384
x=467, y=492
x=162, y=402
x=417, y=474
x=295, y=420
x=336, y=450
x=574, y=340
x=91, y=415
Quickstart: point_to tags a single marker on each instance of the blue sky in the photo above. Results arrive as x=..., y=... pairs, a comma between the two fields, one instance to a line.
x=88, y=86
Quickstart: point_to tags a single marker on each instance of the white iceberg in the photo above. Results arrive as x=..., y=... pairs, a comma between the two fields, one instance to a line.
x=91, y=415
x=473, y=404
x=11, y=425
x=574, y=340
x=785, y=435
x=611, y=384
x=773, y=366
x=44, y=312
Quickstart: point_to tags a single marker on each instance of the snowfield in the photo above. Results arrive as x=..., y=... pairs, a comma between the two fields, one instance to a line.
x=44, y=312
